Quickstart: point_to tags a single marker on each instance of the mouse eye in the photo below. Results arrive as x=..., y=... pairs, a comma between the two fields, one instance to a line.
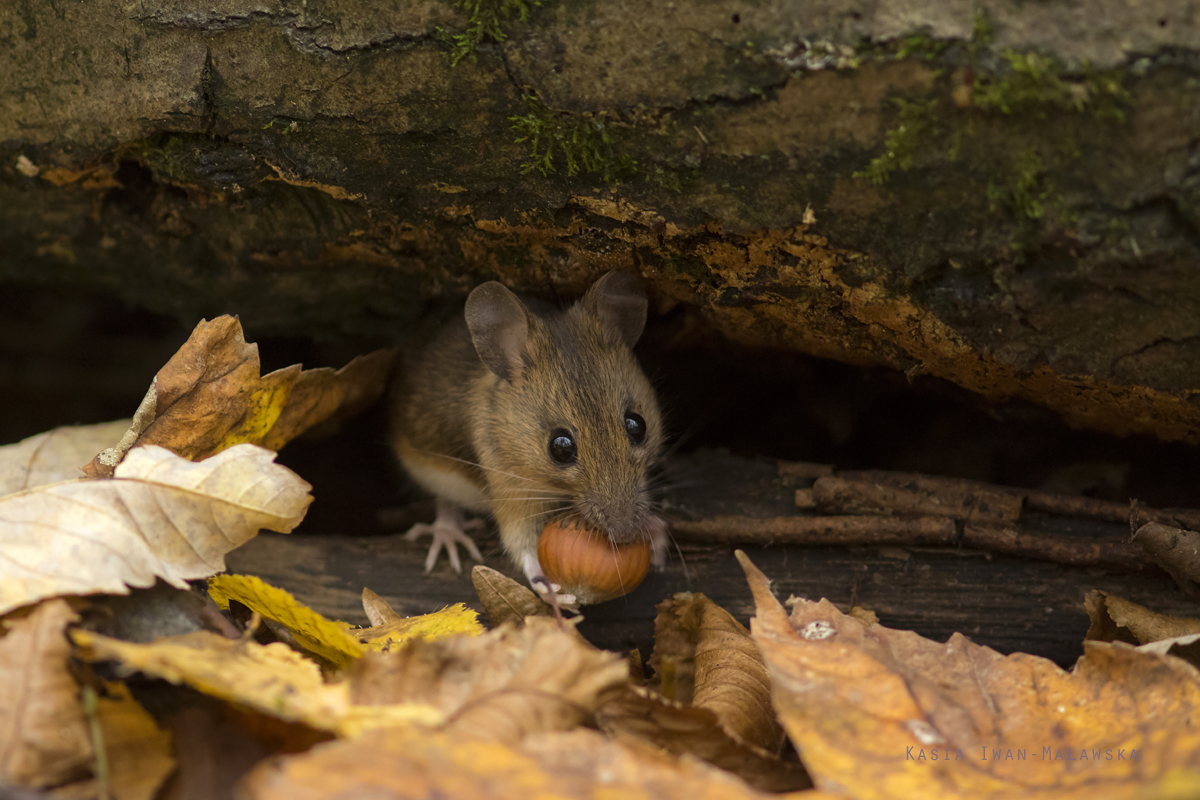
x=562, y=446
x=635, y=426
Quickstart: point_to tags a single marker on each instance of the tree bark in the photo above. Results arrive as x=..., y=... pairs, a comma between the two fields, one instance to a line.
x=1006, y=196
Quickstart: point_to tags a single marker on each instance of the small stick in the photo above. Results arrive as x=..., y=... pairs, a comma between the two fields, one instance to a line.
x=90, y=710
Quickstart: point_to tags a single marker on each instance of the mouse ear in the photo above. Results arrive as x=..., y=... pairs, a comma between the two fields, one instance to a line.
x=618, y=300
x=499, y=326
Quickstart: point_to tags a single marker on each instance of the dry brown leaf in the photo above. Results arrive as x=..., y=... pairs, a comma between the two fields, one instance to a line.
x=210, y=397
x=400, y=763
x=726, y=671
x=44, y=737
x=685, y=730
x=730, y=722
x=272, y=679
x=378, y=610
x=868, y=708
x=503, y=684
x=54, y=456
x=504, y=599
x=161, y=517
x=1115, y=619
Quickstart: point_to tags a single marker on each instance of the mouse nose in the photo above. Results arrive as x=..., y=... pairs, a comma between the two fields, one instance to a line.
x=622, y=518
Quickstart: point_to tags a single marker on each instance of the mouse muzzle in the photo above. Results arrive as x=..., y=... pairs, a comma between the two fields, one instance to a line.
x=624, y=519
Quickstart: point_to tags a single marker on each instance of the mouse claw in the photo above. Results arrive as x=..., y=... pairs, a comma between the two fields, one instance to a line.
x=448, y=531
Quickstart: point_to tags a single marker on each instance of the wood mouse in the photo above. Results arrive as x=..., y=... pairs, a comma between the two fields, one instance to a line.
x=524, y=413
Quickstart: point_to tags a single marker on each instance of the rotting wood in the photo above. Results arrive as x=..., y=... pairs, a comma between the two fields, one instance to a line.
x=1074, y=551
x=906, y=494
x=845, y=531
x=902, y=509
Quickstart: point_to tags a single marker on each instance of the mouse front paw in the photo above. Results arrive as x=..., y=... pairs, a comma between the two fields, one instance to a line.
x=552, y=591
x=448, y=531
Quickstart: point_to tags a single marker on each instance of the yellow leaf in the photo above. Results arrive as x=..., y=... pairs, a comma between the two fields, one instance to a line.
x=330, y=640
x=138, y=751
x=162, y=516
x=450, y=621
x=272, y=679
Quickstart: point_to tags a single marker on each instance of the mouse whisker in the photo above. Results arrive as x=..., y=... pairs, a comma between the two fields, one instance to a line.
x=475, y=464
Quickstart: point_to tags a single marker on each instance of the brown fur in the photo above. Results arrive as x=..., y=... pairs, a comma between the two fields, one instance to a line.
x=574, y=371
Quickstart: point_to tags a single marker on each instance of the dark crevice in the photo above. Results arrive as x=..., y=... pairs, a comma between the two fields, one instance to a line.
x=208, y=104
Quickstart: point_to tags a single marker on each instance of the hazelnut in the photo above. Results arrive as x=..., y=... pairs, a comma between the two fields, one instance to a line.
x=588, y=564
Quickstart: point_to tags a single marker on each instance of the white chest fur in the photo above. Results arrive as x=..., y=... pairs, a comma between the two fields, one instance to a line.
x=449, y=484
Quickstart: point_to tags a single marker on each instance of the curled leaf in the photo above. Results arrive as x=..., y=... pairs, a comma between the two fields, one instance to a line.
x=1116, y=619
x=210, y=397
x=330, y=640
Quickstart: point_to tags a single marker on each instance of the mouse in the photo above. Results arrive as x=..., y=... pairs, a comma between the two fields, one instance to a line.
x=525, y=412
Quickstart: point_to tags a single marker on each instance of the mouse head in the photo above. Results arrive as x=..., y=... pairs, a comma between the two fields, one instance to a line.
x=571, y=413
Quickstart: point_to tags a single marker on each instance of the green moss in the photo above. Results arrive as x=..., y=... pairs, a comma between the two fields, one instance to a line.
x=484, y=23
x=172, y=156
x=1025, y=195
x=901, y=142
x=983, y=32
x=285, y=127
x=922, y=46
x=664, y=179
x=1035, y=84
x=574, y=142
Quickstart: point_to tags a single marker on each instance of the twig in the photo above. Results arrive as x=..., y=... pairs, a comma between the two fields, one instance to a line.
x=909, y=493
x=1075, y=551
x=841, y=530
x=91, y=711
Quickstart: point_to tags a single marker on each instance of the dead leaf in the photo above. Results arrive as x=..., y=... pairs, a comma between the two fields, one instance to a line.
x=44, y=738
x=450, y=621
x=1116, y=619
x=1185, y=647
x=686, y=730
x=403, y=763
x=332, y=641
x=216, y=754
x=138, y=751
x=272, y=679
x=378, y=610
x=721, y=662
x=54, y=456
x=1176, y=550
x=504, y=599
x=730, y=722
x=503, y=684
x=210, y=397
x=161, y=517
x=869, y=708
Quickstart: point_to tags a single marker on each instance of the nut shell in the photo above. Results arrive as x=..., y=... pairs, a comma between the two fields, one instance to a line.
x=587, y=564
